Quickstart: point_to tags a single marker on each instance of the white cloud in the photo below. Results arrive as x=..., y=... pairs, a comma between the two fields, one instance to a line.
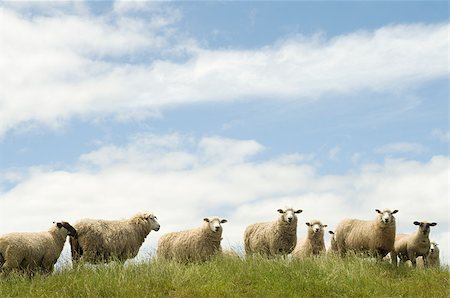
x=169, y=174
x=401, y=147
x=85, y=65
x=334, y=152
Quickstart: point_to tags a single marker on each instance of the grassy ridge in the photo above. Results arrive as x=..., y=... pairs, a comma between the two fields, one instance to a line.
x=230, y=277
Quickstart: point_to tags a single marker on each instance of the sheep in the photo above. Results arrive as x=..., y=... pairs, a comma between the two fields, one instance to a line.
x=410, y=246
x=333, y=245
x=374, y=237
x=197, y=245
x=313, y=244
x=433, y=255
x=106, y=240
x=273, y=238
x=34, y=252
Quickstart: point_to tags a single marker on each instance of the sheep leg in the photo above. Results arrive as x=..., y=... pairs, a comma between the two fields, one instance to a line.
x=425, y=262
x=412, y=258
x=393, y=258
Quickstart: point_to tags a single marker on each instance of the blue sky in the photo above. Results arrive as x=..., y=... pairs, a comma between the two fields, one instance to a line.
x=305, y=104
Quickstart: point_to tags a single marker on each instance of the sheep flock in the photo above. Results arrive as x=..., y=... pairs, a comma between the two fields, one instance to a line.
x=101, y=241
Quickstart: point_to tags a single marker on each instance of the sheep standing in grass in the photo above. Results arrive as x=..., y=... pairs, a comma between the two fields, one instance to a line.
x=273, y=238
x=105, y=240
x=313, y=244
x=410, y=246
x=374, y=237
x=333, y=245
x=32, y=252
x=198, y=244
x=433, y=255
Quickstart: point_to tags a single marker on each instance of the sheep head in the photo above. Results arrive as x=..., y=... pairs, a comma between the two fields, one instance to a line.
x=315, y=227
x=424, y=226
x=289, y=215
x=214, y=223
x=386, y=217
x=70, y=230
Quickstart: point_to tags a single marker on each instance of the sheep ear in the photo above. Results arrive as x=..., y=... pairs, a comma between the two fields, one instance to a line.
x=280, y=211
x=59, y=225
x=223, y=221
x=298, y=211
x=324, y=226
x=331, y=232
x=206, y=219
x=378, y=211
x=308, y=224
x=433, y=224
x=416, y=223
x=395, y=211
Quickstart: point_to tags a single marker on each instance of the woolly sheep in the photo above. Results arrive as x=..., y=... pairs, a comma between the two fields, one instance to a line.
x=313, y=244
x=433, y=255
x=105, y=240
x=197, y=244
x=410, y=246
x=374, y=237
x=32, y=252
x=273, y=238
x=333, y=245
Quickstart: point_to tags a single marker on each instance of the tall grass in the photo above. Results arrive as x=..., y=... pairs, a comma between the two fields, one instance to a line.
x=232, y=277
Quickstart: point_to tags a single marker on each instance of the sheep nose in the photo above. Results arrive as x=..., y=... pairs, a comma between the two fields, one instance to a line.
x=386, y=220
x=289, y=219
x=432, y=249
x=157, y=228
x=217, y=229
x=316, y=230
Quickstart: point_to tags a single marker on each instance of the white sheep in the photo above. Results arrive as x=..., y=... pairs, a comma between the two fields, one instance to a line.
x=410, y=246
x=273, y=238
x=374, y=237
x=105, y=240
x=433, y=255
x=313, y=244
x=333, y=245
x=34, y=252
x=198, y=244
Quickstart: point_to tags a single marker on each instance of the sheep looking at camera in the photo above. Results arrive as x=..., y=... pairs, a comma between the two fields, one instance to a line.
x=410, y=246
x=374, y=237
x=313, y=244
x=198, y=244
x=273, y=238
x=34, y=252
x=105, y=240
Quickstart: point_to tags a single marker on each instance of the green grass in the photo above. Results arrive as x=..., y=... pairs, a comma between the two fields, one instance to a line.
x=232, y=277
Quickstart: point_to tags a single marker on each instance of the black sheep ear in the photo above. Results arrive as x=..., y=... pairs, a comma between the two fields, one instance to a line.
x=280, y=211
x=433, y=224
x=298, y=211
x=308, y=224
x=395, y=211
x=223, y=221
x=378, y=211
x=416, y=223
x=206, y=219
x=59, y=225
x=331, y=232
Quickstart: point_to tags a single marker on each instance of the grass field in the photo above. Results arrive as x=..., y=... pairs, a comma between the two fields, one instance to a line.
x=232, y=277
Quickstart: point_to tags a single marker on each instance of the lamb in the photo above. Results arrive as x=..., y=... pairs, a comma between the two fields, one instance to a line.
x=106, y=240
x=333, y=245
x=197, y=245
x=374, y=237
x=410, y=246
x=433, y=255
x=273, y=238
x=34, y=252
x=313, y=244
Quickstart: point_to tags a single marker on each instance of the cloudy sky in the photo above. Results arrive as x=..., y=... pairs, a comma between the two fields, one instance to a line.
x=234, y=109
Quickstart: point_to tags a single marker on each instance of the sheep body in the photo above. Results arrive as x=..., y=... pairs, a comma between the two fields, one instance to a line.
x=313, y=244
x=105, y=240
x=374, y=237
x=410, y=246
x=272, y=238
x=31, y=252
x=197, y=244
x=333, y=245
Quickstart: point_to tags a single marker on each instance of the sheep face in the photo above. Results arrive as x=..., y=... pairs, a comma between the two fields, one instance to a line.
x=152, y=220
x=315, y=227
x=434, y=249
x=289, y=215
x=215, y=224
x=424, y=226
x=70, y=230
x=386, y=216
